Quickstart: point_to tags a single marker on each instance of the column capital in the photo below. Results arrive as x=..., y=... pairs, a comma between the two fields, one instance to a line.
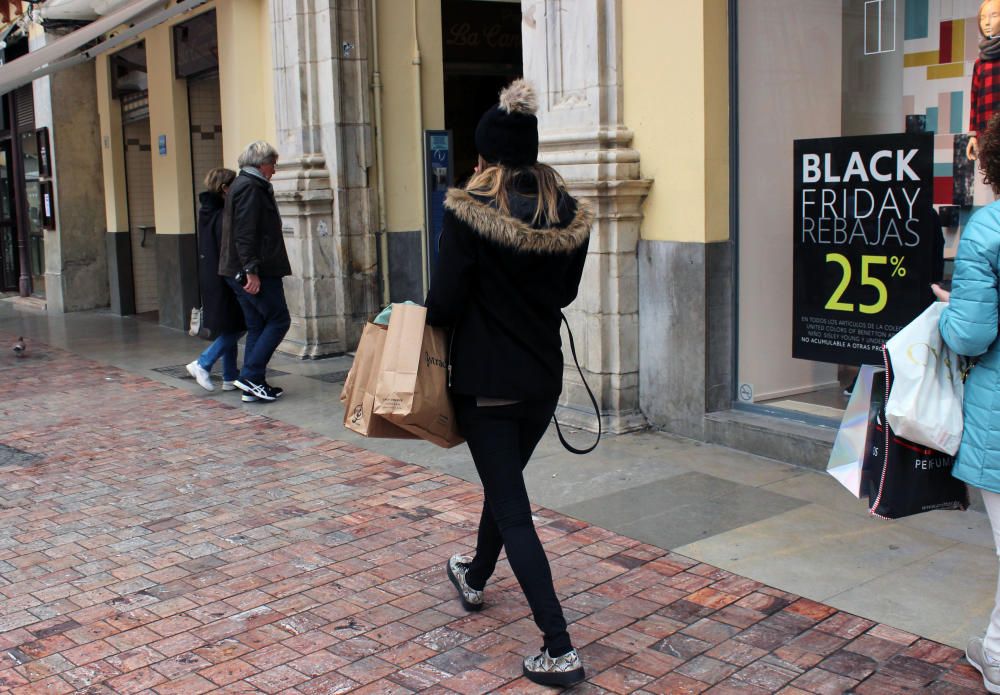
x=299, y=174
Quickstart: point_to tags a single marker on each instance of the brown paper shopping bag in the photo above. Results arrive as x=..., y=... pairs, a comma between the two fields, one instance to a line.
x=358, y=394
x=412, y=387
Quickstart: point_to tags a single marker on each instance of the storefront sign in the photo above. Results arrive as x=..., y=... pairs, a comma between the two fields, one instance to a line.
x=481, y=32
x=44, y=158
x=863, y=243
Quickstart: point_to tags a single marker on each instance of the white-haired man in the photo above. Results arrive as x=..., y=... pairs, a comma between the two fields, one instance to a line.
x=253, y=261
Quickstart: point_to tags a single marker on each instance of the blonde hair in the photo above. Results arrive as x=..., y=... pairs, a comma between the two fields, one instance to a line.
x=219, y=178
x=495, y=181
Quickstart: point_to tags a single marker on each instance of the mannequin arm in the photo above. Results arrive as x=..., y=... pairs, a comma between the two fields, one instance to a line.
x=972, y=149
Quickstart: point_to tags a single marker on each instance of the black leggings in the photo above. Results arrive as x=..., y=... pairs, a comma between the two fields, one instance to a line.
x=501, y=439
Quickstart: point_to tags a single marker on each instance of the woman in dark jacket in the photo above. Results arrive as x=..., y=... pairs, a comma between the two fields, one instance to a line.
x=221, y=313
x=512, y=249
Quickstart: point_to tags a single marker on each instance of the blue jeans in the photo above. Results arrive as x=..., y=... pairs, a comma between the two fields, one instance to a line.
x=225, y=347
x=267, y=320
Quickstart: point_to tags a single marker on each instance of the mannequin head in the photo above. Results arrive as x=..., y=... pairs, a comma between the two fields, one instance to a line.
x=989, y=18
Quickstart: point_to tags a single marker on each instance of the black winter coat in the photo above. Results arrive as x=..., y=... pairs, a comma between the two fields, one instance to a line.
x=500, y=285
x=251, y=230
x=221, y=311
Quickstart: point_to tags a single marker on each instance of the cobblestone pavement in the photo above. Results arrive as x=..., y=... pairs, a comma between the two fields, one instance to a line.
x=155, y=542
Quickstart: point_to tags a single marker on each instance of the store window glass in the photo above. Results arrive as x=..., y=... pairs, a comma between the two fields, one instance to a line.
x=8, y=232
x=33, y=200
x=854, y=183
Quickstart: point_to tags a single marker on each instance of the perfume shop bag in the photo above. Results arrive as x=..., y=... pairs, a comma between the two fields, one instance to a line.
x=901, y=477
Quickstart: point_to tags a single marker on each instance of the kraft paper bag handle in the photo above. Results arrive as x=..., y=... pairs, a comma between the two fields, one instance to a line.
x=597, y=410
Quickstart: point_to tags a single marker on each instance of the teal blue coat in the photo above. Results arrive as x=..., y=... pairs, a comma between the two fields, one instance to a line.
x=969, y=327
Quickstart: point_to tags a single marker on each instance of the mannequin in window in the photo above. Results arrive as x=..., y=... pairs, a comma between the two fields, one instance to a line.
x=985, y=93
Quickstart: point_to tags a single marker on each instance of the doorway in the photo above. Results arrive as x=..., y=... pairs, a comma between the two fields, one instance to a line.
x=196, y=58
x=30, y=166
x=9, y=266
x=130, y=87
x=482, y=55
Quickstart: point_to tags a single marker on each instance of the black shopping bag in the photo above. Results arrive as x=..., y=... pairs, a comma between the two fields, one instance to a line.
x=902, y=478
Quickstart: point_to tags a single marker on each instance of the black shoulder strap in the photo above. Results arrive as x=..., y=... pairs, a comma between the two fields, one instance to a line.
x=597, y=410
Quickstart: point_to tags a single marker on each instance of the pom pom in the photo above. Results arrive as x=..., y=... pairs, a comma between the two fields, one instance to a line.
x=519, y=97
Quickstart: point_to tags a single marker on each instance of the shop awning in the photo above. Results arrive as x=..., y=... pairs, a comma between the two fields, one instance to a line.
x=140, y=15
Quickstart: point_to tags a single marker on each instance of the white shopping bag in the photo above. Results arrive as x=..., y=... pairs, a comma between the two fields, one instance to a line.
x=925, y=401
x=848, y=452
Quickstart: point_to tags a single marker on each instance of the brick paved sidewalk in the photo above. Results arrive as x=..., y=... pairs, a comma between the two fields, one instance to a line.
x=153, y=541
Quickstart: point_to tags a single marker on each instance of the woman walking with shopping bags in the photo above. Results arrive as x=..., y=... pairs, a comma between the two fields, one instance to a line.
x=512, y=250
x=220, y=311
x=969, y=327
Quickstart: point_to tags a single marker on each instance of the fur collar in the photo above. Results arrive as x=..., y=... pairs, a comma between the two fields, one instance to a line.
x=516, y=234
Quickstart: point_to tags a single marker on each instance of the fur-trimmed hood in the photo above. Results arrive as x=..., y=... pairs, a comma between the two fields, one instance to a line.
x=515, y=233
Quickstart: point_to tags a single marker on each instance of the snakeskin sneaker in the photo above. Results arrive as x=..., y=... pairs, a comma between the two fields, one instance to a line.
x=563, y=671
x=458, y=567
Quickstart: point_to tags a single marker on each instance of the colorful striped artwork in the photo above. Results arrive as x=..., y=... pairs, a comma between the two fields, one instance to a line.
x=940, y=46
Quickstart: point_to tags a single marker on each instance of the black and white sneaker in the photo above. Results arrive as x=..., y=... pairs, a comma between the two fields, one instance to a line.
x=562, y=671
x=260, y=391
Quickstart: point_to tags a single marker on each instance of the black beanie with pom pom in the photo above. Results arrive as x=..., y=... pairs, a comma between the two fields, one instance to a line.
x=507, y=133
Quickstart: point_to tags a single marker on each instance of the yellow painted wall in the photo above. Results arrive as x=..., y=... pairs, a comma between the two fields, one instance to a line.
x=247, y=91
x=401, y=129
x=113, y=150
x=676, y=76
x=173, y=196
x=246, y=79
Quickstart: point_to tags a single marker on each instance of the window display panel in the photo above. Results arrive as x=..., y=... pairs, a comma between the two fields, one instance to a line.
x=34, y=206
x=857, y=120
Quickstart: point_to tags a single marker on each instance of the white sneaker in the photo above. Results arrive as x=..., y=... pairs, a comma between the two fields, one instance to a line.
x=228, y=386
x=200, y=375
x=976, y=655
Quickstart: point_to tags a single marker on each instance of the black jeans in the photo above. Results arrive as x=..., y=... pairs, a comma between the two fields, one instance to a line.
x=501, y=439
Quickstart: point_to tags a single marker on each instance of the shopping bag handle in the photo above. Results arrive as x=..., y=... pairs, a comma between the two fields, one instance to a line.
x=597, y=411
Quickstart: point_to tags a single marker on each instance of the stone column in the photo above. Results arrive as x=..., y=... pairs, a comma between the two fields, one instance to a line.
x=76, y=275
x=572, y=55
x=326, y=201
